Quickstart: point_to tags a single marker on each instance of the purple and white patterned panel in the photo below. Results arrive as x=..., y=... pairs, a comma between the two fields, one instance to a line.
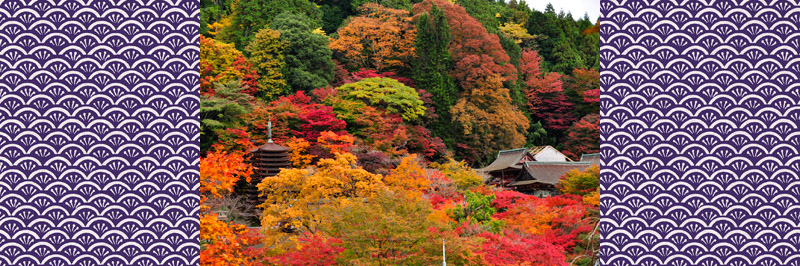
x=99, y=133
x=700, y=137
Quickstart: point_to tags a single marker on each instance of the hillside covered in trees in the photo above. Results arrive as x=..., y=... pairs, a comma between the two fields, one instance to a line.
x=386, y=107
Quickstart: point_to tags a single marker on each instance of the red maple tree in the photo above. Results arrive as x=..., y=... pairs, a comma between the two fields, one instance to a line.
x=546, y=99
x=514, y=249
x=583, y=137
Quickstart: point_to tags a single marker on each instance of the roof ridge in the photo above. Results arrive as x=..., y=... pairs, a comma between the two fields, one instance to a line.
x=509, y=150
x=567, y=162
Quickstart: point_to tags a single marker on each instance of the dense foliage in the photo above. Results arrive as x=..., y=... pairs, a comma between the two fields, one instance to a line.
x=308, y=58
x=379, y=38
x=386, y=107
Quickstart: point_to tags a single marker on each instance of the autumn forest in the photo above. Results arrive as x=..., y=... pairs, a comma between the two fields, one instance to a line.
x=387, y=110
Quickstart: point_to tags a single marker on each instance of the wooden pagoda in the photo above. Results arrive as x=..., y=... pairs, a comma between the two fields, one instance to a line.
x=267, y=160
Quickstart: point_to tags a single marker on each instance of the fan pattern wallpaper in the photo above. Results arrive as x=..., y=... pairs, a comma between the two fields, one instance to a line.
x=701, y=107
x=99, y=133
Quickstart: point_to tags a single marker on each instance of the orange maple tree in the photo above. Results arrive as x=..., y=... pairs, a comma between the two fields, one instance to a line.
x=335, y=143
x=220, y=170
x=380, y=38
x=225, y=243
x=488, y=119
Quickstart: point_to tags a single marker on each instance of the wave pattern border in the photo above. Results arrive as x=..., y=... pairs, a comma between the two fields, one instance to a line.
x=700, y=138
x=99, y=129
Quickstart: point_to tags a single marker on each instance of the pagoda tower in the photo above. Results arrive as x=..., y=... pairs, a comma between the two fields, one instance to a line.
x=267, y=160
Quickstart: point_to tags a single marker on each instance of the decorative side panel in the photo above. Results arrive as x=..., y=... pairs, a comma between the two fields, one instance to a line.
x=700, y=137
x=99, y=133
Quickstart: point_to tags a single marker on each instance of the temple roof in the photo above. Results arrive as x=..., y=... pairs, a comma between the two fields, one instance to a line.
x=506, y=159
x=513, y=159
x=549, y=172
x=593, y=158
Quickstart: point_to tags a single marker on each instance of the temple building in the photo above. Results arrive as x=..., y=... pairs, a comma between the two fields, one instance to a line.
x=534, y=171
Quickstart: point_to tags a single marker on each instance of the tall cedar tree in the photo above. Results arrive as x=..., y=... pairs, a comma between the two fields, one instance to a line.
x=558, y=40
x=380, y=38
x=333, y=14
x=515, y=87
x=308, y=59
x=542, y=24
x=589, y=42
x=484, y=112
x=431, y=67
x=566, y=55
x=483, y=11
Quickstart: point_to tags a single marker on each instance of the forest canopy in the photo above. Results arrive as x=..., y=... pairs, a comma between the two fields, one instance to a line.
x=386, y=109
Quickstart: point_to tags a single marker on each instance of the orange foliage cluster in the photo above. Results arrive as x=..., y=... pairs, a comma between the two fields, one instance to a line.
x=226, y=244
x=380, y=38
x=409, y=175
x=330, y=206
x=298, y=152
x=220, y=170
x=335, y=143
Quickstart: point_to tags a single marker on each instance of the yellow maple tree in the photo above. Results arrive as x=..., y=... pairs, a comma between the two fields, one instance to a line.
x=516, y=31
x=298, y=149
x=294, y=195
x=266, y=54
x=462, y=175
x=409, y=176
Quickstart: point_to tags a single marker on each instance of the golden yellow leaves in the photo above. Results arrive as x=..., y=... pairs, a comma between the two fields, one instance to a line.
x=295, y=194
x=409, y=176
x=298, y=149
x=516, y=32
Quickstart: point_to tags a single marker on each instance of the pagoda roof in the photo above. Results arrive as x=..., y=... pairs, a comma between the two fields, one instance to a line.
x=271, y=147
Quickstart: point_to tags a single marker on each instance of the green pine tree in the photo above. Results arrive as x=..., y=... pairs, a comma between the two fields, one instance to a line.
x=431, y=68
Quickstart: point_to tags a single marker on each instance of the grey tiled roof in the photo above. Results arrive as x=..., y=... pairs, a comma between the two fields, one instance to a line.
x=550, y=172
